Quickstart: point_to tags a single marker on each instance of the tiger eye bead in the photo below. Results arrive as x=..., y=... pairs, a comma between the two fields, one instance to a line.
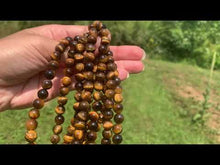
x=68, y=72
x=116, y=73
x=97, y=25
x=78, y=134
x=118, y=108
x=46, y=84
x=107, y=134
x=97, y=106
x=105, y=141
x=118, y=98
x=110, y=59
x=90, y=47
x=68, y=139
x=103, y=48
x=38, y=103
x=97, y=95
x=89, y=56
x=69, y=62
x=55, y=139
x=86, y=95
x=34, y=113
x=88, y=85
x=31, y=136
x=84, y=105
x=66, y=81
x=98, y=85
x=78, y=57
x=60, y=110
x=53, y=65
x=91, y=136
x=109, y=53
x=69, y=39
x=109, y=93
x=82, y=115
x=107, y=125
x=64, y=91
x=56, y=56
x=93, y=125
x=100, y=76
x=77, y=37
x=117, y=129
x=83, y=40
x=119, y=118
x=89, y=66
x=101, y=67
x=111, y=84
x=79, y=86
x=57, y=129
x=59, y=119
x=79, y=77
x=31, y=124
x=92, y=39
x=79, y=125
x=110, y=75
x=70, y=130
x=60, y=47
x=117, y=80
x=111, y=66
x=49, y=74
x=93, y=32
x=62, y=100
x=93, y=116
x=88, y=75
x=117, y=139
x=79, y=67
x=108, y=114
x=103, y=58
x=108, y=103
x=105, y=40
x=105, y=32
x=118, y=89
x=42, y=94
x=80, y=48
x=71, y=53
x=76, y=106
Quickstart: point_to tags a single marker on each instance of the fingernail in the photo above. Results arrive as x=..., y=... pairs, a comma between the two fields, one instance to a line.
x=144, y=55
x=128, y=75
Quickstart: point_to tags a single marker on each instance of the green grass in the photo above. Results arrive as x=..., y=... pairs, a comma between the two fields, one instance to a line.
x=151, y=113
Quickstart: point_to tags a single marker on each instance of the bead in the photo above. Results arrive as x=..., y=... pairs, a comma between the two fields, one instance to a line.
x=56, y=56
x=97, y=95
x=68, y=139
x=93, y=32
x=79, y=86
x=78, y=134
x=68, y=72
x=46, y=84
x=91, y=136
x=101, y=67
x=99, y=127
x=82, y=115
x=107, y=125
x=78, y=57
x=84, y=105
x=119, y=118
x=60, y=110
x=88, y=75
x=71, y=53
x=105, y=40
x=103, y=48
x=118, y=89
x=98, y=85
x=93, y=125
x=38, y=103
x=57, y=129
x=77, y=96
x=77, y=37
x=92, y=39
x=95, y=68
x=79, y=125
x=59, y=119
x=55, y=139
x=76, y=106
x=86, y=95
x=109, y=53
x=117, y=139
x=111, y=84
x=34, y=113
x=88, y=85
x=90, y=47
x=105, y=32
x=117, y=80
x=64, y=91
x=116, y=73
x=83, y=40
x=70, y=130
x=107, y=134
x=73, y=44
x=103, y=58
x=79, y=67
x=108, y=114
x=89, y=56
x=110, y=59
x=80, y=48
x=31, y=136
x=79, y=77
x=105, y=141
x=100, y=76
x=111, y=66
x=69, y=38
x=89, y=66
x=117, y=129
x=93, y=116
x=49, y=74
x=53, y=65
x=69, y=62
x=109, y=93
x=31, y=124
x=118, y=108
x=42, y=94
x=97, y=106
x=97, y=25
x=108, y=103
x=118, y=98
x=110, y=75
x=62, y=100
x=60, y=47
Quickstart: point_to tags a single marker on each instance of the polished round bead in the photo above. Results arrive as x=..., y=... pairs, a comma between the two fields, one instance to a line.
x=71, y=53
x=77, y=37
x=92, y=39
x=103, y=48
x=70, y=130
x=91, y=136
x=108, y=103
x=97, y=95
x=119, y=118
x=110, y=75
x=105, y=40
x=79, y=67
x=69, y=39
x=56, y=56
x=79, y=77
x=78, y=57
x=88, y=85
x=90, y=47
x=86, y=95
x=60, y=110
x=69, y=62
x=89, y=56
x=73, y=44
x=84, y=105
x=76, y=106
x=108, y=114
x=93, y=125
x=107, y=125
x=49, y=74
x=78, y=134
x=117, y=139
x=89, y=66
x=38, y=103
x=93, y=115
x=88, y=75
x=79, y=125
x=68, y=72
x=77, y=96
x=79, y=86
x=60, y=47
x=109, y=93
x=105, y=32
x=31, y=136
x=97, y=106
x=93, y=32
x=34, y=113
x=118, y=89
x=107, y=134
x=117, y=129
x=105, y=141
x=118, y=108
x=98, y=85
x=100, y=76
x=55, y=139
x=80, y=48
x=97, y=25
x=111, y=84
x=42, y=94
x=111, y=66
x=62, y=100
x=109, y=53
x=66, y=81
x=68, y=139
x=83, y=40
x=117, y=80
x=65, y=42
x=110, y=59
x=53, y=65
x=46, y=84
x=59, y=119
x=101, y=67
x=103, y=58
x=57, y=129
x=82, y=115
x=64, y=91
x=31, y=124
x=118, y=98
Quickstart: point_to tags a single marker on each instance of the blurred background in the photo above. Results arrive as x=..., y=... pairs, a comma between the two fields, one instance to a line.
x=176, y=100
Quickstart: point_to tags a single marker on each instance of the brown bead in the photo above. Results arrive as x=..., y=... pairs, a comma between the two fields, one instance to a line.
x=101, y=67
x=83, y=40
x=103, y=58
x=97, y=25
x=62, y=100
x=98, y=85
x=91, y=136
x=93, y=32
x=110, y=75
x=107, y=125
x=80, y=48
x=118, y=89
x=55, y=139
x=108, y=114
x=79, y=67
x=68, y=72
x=93, y=125
x=89, y=66
x=31, y=136
x=56, y=56
x=92, y=39
x=60, y=110
x=95, y=68
x=34, y=113
x=89, y=56
x=77, y=37
x=107, y=134
x=110, y=59
x=38, y=103
x=97, y=95
x=88, y=75
x=88, y=85
x=97, y=106
x=78, y=134
x=105, y=32
x=70, y=130
x=103, y=48
x=73, y=44
x=118, y=108
x=79, y=125
x=117, y=129
x=111, y=84
x=69, y=62
x=84, y=105
x=86, y=95
x=42, y=94
x=49, y=74
x=116, y=73
x=46, y=84
x=105, y=40
x=100, y=76
x=66, y=81
x=31, y=124
x=90, y=47
x=64, y=42
x=118, y=98
x=59, y=119
x=71, y=53
x=79, y=86
x=78, y=57
x=60, y=48
x=77, y=96
x=79, y=77
x=69, y=38
x=117, y=80
x=117, y=139
x=119, y=118
x=109, y=93
x=108, y=103
x=109, y=53
x=57, y=129
x=105, y=141
x=68, y=139
x=53, y=65
x=64, y=91
x=93, y=116
x=111, y=66
x=76, y=106
x=82, y=115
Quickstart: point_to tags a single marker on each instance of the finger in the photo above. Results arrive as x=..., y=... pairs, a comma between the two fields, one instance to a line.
x=131, y=66
x=58, y=32
x=127, y=52
x=123, y=74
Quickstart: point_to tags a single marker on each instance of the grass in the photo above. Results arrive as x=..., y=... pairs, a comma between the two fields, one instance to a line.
x=152, y=115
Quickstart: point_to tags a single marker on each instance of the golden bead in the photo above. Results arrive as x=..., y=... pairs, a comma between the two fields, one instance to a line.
x=107, y=125
x=66, y=81
x=78, y=134
x=118, y=98
x=31, y=136
x=68, y=139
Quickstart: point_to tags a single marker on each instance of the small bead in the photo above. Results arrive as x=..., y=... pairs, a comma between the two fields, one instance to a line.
x=93, y=116
x=105, y=40
x=97, y=106
x=101, y=67
x=73, y=44
x=88, y=75
x=116, y=73
x=76, y=106
x=89, y=66
x=91, y=136
x=68, y=72
x=107, y=134
x=108, y=114
x=109, y=93
x=77, y=96
x=118, y=89
x=92, y=39
x=80, y=125
x=97, y=95
x=117, y=80
x=77, y=37
x=60, y=47
x=38, y=103
x=79, y=67
x=78, y=57
x=111, y=84
x=53, y=65
x=89, y=56
x=118, y=98
x=57, y=129
x=90, y=47
x=62, y=100
x=55, y=139
x=111, y=66
x=69, y=38
x=46, y=84
x=79, y=86
x=103, y=49
x=80, y=48
x=56, y=56
x=105, y=141
x=59, y=119
x=70, y=130
x=49, y=74
x=117, y=129
x=34, y=113
x=93, y=32
x=108, y=103
x=86, y=95
x=82, y=115
x=79, y=77
x=103, y=58
x=31, y=124
x=109, y=53
x=42, y=94
x=64, y=91
x=107, y=125
x=119, y=118
x=88, y=85
x=78, y=134
x=110, y=59
x=71, y=53
x=31, y=136
x=118, y=108
x=100, y=76
x=83, y=40
x=60, y=110
x=98, y=85
x=97, y=25
x=93, y=125
x=110, y=75
x=117, y=139
x=84, y=105
x=68, y=139
x=105, y=32
x=69, y=62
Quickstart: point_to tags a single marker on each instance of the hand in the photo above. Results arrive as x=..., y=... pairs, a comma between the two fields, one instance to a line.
x=24, y=57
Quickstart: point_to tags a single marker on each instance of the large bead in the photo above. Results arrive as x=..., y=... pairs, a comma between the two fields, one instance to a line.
x=38, y=103
x=31, y=124
x=42, y=94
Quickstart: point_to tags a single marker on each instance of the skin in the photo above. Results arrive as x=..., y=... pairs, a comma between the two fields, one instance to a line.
x=25, y=55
